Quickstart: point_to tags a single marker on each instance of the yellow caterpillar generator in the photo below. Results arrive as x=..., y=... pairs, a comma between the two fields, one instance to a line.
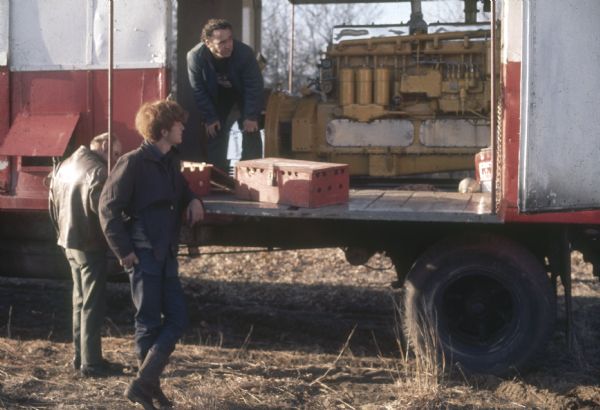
x=391, y=102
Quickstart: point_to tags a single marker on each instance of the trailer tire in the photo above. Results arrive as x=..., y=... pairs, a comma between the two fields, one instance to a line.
x=482, y=301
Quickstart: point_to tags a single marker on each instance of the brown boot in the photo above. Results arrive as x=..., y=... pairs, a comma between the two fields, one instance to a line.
x=142, y=389
x=138, y=392
x=160, y=397
x=157, y=393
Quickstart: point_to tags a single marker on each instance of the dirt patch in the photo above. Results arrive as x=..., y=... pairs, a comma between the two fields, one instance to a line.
x=279, y=330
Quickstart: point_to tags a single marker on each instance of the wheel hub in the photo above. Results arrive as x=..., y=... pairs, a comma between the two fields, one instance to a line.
x=477, y=308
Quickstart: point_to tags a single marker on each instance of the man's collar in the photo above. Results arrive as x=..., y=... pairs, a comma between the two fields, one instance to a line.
x=155, y=153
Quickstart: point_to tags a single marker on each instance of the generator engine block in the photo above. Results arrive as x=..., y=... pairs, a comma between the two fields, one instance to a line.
x=391, y=106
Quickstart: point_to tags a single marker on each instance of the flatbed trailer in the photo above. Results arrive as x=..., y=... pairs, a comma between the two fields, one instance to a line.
x=373, y=220
x=486, y=286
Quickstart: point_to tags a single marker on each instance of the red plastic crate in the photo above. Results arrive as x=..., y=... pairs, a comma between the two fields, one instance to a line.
x=198, y=176
x=292, y=182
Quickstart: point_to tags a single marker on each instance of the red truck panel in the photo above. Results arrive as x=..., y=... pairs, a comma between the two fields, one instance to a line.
x=86, y=93
x=47, y=109
x=42, y=135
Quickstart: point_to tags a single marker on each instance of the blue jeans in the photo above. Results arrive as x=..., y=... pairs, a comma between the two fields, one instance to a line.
x=161, y=315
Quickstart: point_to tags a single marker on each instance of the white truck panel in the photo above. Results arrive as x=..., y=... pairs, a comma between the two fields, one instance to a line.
x=4, y=27
x=560, y=96
x=73, y=34
x=512, y=30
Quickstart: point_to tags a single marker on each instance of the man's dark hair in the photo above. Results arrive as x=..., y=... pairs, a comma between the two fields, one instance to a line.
x=212, y=25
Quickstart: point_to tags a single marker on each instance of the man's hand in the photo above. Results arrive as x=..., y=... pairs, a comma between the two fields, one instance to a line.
x=195, y=212
x=212, y=129
x=130, y=260
x=250, y=126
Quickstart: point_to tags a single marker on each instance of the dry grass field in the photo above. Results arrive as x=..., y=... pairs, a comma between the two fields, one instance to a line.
x=283, y=330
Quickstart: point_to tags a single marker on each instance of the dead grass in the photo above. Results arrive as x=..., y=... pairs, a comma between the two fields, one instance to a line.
x=289, y=330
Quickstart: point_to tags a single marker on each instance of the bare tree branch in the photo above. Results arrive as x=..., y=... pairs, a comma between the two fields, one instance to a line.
x=314, y=24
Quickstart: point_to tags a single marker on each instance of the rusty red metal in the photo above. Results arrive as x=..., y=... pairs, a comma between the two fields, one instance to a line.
x=86, y=93
x=292, y=182
x=19, y=203
x=511, y=133
x=33, y=180
x=39, y=135
x=47, y=109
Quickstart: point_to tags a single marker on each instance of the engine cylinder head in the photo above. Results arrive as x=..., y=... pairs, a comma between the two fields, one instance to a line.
x=382, y=86
x=364, y=86
x=346, y=86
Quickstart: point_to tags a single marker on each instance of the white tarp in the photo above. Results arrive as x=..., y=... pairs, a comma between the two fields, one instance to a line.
x=560, y=131
x=3, y=31
x=73, y=34
x=512, y=30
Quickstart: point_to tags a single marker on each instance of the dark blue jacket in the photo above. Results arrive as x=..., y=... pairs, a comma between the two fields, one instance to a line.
x=148, y=188
x=244, y=75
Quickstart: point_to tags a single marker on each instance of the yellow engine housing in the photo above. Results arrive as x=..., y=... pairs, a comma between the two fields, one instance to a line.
x=391, y=106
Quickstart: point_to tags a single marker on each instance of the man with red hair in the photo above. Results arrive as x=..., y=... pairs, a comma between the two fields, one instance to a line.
x=141, y=207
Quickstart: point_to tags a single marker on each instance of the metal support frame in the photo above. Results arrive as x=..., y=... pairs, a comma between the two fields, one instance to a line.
x=565, y=278
x=291, y=49
x=110, y=83
x=416, y=24
x=470, y=11
x=494, y=104
x=560, y=266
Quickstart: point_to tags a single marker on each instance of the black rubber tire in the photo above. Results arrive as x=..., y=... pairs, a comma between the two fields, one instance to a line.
x=485, y=299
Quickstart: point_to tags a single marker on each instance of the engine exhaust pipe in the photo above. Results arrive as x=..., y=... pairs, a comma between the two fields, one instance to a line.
x=416, y=24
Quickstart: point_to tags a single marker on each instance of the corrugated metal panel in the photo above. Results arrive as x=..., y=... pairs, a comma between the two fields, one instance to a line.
x=39, y=135
x=560, y=131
